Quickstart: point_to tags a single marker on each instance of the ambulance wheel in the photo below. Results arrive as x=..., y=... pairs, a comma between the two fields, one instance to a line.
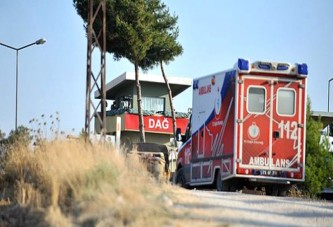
x=219, y=184
x=283, y=190
x=234, y=188
x=268, y=190
x=272, y=190
x=180, y=178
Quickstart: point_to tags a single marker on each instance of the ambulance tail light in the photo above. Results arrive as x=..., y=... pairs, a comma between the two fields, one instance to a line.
x=298, y=175
x=244, y=171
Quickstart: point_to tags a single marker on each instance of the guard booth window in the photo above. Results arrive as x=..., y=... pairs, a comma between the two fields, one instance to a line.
x=286, y=102
x=256, y=100
x=153, y=104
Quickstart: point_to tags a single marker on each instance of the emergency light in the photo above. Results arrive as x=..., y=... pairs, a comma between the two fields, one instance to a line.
x=282, y=67
x=273, y=66
x=243, y=64
x=265, y=65
x=302, y=69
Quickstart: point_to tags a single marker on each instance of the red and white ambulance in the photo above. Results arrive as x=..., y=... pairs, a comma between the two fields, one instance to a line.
x=247, y=128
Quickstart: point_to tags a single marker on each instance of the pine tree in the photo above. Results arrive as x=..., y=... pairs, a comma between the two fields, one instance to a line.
x=129, y=35
x=165, y=47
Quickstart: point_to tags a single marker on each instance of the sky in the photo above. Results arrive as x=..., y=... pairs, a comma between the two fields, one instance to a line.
x=214, y=34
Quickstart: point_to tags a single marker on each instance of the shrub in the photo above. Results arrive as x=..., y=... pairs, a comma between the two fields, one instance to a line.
x=319, y=161
x=77, y=183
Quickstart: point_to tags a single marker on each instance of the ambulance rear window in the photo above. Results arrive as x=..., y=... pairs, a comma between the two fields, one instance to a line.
x=256, y=100
x=286, y=102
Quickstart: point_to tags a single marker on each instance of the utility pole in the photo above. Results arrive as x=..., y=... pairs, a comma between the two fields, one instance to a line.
x=328, y=95
x=96, y=39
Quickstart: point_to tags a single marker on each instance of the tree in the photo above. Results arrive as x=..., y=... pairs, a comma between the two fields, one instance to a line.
x=134, y=23
x=129, y=35
x=164, y=47
x=319, y=161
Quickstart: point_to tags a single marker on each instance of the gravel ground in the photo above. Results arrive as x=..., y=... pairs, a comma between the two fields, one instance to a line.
x=209, y=208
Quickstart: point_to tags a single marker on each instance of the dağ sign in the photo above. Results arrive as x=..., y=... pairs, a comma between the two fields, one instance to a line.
x=156, y=124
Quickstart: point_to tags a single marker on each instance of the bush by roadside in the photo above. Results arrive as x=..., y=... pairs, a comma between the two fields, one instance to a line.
x=65, y=183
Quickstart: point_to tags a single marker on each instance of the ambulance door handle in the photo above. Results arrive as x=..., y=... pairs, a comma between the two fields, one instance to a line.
x=276, y=134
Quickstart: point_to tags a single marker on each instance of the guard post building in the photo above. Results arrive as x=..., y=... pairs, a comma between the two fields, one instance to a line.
x=122, y=120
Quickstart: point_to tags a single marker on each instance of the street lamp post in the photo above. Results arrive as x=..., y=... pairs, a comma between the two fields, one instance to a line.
x=38, y=42
x=328, y=95
x=328, y=103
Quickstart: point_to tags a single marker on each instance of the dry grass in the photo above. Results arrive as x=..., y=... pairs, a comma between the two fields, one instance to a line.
x=69, y=183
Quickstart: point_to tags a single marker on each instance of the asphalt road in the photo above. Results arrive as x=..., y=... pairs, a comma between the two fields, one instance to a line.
x=211, y=208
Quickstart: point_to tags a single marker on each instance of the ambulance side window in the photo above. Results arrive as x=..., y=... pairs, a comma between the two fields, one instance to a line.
x=286, y=102
x=188, y=130
x=256, y=99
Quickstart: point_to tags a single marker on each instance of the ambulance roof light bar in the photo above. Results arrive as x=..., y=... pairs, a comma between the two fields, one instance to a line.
x=246, y=66
x=271, y=66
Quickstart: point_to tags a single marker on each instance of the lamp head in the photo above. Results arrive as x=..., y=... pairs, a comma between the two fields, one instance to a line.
x=40, y=41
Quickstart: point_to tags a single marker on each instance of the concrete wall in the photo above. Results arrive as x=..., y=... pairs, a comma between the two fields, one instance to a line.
x=111, y=122
x=133, y=137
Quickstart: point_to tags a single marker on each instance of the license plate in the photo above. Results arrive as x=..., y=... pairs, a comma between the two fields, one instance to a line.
x=268, y=172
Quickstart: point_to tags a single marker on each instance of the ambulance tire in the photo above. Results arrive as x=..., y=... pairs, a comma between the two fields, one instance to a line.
x=283, y=190
x=275, y=191
x=234, y=187
x=272, y=190
x=267, y=190
x=220, y=185
x=218, y=182
x=180, y=178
